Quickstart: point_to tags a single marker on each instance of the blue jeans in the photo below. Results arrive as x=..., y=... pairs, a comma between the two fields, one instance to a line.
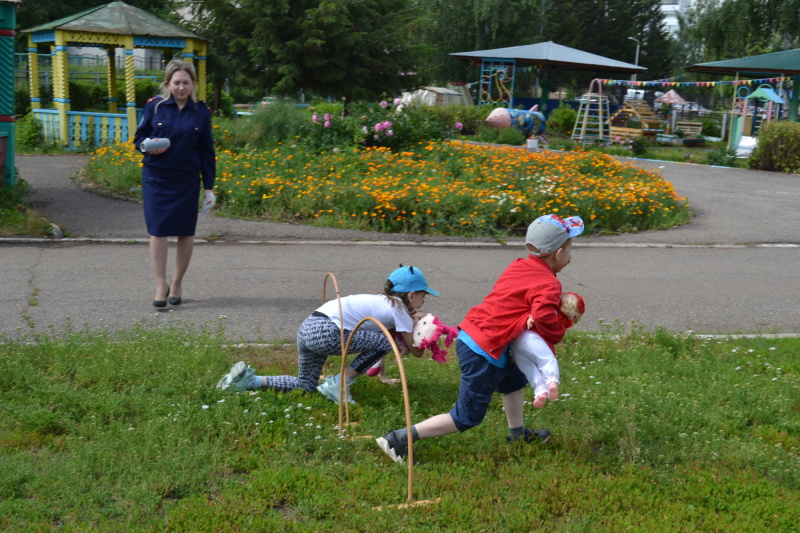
x=479, y=381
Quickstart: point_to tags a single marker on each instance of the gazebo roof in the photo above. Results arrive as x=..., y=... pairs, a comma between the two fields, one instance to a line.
x=786, y=63
x=116, y=18
x=553, y=55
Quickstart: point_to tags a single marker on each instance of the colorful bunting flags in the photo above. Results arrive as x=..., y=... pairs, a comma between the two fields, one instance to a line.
x=669, y=83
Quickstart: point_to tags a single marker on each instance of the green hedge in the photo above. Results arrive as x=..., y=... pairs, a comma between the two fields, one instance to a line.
x=778, y=147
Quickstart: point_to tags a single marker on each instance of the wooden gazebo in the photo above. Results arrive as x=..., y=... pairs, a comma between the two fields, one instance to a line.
x=110, y=26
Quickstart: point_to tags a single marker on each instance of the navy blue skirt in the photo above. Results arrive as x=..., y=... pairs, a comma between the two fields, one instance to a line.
x=171, y=201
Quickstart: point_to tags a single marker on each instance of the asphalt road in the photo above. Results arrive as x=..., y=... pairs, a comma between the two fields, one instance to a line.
x=733, y=269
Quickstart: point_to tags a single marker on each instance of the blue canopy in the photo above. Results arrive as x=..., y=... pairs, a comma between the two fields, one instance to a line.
x=766, y=93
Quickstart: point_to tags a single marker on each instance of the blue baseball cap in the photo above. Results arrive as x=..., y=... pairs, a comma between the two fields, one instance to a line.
x=410, y=279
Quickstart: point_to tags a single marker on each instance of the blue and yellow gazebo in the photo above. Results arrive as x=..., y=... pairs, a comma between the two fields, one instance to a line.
x=110, y=26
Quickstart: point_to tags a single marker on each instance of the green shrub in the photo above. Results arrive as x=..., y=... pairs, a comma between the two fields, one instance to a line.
x=711, y=128
x=470, y=117
x=778, y=147
x=22, y=101
x=277, y=123
x=374, y=124
x=562, y=119
x=639, y=146
x=722, y=157
x=29, y=133
x=489, y=134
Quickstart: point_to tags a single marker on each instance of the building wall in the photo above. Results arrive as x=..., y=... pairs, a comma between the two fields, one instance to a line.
x=671, y=9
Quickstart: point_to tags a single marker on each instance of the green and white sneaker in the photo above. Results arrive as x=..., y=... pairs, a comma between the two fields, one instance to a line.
x=331, y=391
x=237, y=379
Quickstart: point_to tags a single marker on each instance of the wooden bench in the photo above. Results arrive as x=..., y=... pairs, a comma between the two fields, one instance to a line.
x=691, y=129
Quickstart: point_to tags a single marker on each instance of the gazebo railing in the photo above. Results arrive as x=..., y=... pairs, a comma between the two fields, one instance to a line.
x=85, y=128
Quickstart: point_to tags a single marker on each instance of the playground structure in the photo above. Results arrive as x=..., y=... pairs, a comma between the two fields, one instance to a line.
x=530, y=123
x=745, y=126
x=649, y=124
x=591, y=124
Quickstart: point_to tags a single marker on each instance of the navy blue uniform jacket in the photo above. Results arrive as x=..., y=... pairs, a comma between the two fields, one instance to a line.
x=189, y=133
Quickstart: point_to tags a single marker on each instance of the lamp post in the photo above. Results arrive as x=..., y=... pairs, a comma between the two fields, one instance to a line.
x=636, y=62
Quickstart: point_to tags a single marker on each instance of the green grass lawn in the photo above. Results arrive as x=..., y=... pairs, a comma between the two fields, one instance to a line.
x=124, y=431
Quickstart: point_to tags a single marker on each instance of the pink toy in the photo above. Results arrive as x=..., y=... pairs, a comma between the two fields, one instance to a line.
x=427, y=332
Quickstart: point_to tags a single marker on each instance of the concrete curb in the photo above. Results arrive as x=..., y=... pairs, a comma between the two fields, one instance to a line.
x=443, y=244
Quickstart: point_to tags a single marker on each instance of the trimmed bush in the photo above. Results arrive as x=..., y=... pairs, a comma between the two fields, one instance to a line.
x=778, y=147
x=562, y=119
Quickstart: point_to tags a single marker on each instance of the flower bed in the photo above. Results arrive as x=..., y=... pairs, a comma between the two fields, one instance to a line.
x=443, y=188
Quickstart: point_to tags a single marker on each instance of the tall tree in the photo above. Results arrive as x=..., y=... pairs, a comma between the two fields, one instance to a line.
x=353, y=48
x=714, y=31
x=468, y=25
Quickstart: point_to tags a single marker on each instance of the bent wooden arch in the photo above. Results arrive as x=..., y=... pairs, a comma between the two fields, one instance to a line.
x=344, y=406
x=404, y=383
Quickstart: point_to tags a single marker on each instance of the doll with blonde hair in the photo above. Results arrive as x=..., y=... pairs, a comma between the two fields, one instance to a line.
x=535, y=358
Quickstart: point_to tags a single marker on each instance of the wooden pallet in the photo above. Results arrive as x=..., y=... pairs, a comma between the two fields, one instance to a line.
x=691, y=129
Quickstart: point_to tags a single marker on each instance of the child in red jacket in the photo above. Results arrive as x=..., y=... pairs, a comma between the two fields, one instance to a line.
x=527, y=288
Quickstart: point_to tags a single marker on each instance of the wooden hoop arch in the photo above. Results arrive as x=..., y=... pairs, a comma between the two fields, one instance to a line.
x=343, y=404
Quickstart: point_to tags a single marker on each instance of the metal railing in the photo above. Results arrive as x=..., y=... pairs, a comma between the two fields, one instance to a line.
x=85, y=128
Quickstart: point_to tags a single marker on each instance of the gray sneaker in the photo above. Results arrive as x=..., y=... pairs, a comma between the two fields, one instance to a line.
x=531, y=435
x=237, y=379
x=331, y=391
x=393, y=446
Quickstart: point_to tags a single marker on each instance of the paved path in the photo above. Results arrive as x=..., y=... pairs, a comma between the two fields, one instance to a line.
x=733, y=269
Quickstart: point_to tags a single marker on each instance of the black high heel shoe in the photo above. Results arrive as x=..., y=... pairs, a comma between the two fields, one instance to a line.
x=162, y=303
x=173, y=301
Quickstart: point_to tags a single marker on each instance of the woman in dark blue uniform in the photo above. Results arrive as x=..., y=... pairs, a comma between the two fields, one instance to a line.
x=171, y=176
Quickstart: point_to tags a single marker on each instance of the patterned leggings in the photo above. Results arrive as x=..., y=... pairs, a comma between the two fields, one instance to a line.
x=318, y=338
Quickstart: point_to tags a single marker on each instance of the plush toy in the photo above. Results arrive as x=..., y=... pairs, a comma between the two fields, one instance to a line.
x=427, y=332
